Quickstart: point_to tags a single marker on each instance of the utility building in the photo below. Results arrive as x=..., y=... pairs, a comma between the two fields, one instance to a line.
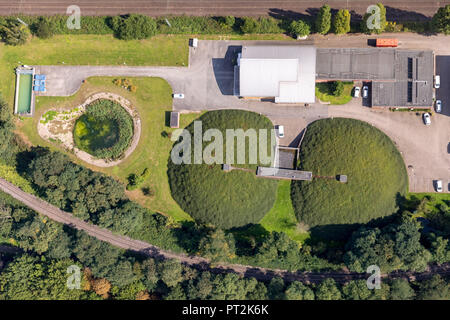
x=283, y=73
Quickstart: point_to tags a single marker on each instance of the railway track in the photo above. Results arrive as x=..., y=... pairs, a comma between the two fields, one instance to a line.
x=396, y=9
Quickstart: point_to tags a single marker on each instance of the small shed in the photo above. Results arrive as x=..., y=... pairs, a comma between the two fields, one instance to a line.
x=194, y=43
x=174, y=119
x=342, y=178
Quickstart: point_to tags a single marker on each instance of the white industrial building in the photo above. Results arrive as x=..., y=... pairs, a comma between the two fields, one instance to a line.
x=285, y=73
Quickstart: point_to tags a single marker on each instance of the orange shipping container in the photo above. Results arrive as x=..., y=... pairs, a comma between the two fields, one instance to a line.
x=387, y=43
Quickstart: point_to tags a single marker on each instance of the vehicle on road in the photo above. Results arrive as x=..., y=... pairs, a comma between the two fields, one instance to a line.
x=438, y=106
x=437, y=81
x=356, y=92
x=280, y=131
x=178, y=96
x=439, y=186
x=365, y=92
x=427, y=118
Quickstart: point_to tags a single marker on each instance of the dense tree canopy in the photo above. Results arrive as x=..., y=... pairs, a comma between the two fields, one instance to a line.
x=393, y=247
x=134, y=26
x=13, y=32
x=341, y=22
x=323, y=20
x=441, y=20
x=300, y=28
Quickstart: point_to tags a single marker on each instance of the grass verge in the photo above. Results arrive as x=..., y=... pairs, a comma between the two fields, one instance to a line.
x=281, y=217
x=324, y=93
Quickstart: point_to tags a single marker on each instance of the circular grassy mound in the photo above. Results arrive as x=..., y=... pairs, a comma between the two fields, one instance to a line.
x=104, y=130
x=374, y=167
x=224, y=199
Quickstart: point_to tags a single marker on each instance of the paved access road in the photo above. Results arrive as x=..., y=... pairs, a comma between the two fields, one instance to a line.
x=145, y=248
x=396, y=9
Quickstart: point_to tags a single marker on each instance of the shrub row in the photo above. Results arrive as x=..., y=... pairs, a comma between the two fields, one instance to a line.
x=204, y=25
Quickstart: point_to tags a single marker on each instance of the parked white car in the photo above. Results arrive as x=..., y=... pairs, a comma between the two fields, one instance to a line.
x=438, y=106
x=439, y=186
x=365, y=92
x=280, y=131
x=178, y=96
x=357, y=92
x=437, y=81
x=427, y=118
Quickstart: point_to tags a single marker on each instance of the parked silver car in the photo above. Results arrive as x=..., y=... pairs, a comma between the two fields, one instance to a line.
x=439, y=186
x=438, y=106
x=427, y=118
x=365, y=92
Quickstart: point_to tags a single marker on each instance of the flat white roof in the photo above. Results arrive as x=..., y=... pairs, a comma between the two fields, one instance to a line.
x=287, y=73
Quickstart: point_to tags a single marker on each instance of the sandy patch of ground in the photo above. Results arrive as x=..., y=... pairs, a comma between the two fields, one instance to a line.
x=57, y=126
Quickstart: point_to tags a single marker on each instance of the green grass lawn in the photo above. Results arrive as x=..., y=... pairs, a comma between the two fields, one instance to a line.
x=152, y=100
x=90, y=50
x=377, y=177
x=325, y=95
x=281, y=217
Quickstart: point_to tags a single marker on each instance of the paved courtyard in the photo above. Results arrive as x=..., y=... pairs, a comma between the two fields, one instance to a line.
x=208, y=85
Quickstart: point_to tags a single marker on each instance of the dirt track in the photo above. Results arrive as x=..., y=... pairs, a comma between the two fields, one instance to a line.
x=396, y=9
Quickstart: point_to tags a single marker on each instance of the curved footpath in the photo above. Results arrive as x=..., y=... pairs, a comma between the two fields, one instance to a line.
x=145, y=248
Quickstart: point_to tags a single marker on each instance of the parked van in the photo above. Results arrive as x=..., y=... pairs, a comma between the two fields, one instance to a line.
x=437, y=81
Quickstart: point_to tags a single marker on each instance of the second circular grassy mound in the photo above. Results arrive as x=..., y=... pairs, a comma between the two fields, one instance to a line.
x=224, y=199
x=374, y=167
x=104, y=130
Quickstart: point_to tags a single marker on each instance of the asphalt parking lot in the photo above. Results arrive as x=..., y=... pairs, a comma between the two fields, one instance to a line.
x=443, y=93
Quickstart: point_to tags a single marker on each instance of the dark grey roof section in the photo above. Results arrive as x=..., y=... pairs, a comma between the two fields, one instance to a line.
x=413, y=85
x=355, y=64
x=400, y=78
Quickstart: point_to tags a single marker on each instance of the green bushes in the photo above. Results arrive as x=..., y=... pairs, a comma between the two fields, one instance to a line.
x=104, y=130
x=335, y=92
x=366, y=155
x=43, y=28
x=260, y=25
x=195, y=25
x=337, y=87
x=134, y=180
x=58, y=23
x=133, y=26
x=393, y=247
x=13, y=32
x=299, y=28
x=441, y=20
x=341, y=22
x=224, y=199
x=140, y=27
x=323, y=20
